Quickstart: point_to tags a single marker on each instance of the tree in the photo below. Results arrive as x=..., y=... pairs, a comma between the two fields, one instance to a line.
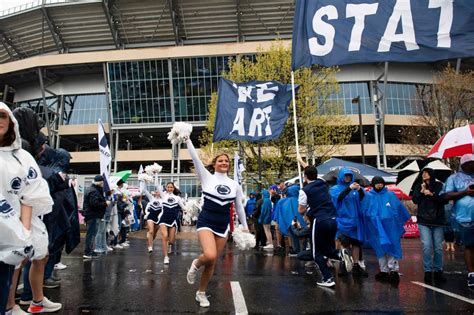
x=444, y=105
x=322, y=129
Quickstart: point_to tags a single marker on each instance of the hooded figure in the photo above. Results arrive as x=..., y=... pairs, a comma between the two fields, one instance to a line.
x=385, y=217
x=32, y=138
x=21, y=183
x=266, y=209
x=287, y=209
x=430, y=207
x=350, y=218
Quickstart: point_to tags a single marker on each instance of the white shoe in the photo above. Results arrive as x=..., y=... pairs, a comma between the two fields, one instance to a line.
x=118, y=246
x=110, y=249
x=346, y=259
x=166, y=261
x=46, y=306
x=125, y=245
x=60, y=266
x=192, y=272
x=150, y=249
x=202, y=299
x=268, y=247
x=16, y=310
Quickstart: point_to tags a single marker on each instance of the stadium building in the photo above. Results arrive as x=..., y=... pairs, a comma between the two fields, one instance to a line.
x=141, y=65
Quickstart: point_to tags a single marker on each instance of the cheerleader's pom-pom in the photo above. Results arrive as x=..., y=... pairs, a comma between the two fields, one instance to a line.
x=144, y=177
x=180, y=132
x=191, y=211
x=243, y=240
x=154, y=168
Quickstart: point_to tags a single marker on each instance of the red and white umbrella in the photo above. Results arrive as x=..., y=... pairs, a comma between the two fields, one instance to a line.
x=456, y=142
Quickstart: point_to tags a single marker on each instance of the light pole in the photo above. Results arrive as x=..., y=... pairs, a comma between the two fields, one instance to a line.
x=357, y=101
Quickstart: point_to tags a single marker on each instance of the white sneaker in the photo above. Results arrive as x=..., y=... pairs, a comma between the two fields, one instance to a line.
x=192, y=272
x=118, y=246
x=110, y=249
x=202, y=299
x=60, y=266
x=125, y=245
x=166, y=261
x=46, y=306
x=346, y=259
x=16, y=310
x=268, y=247
x=150, y=249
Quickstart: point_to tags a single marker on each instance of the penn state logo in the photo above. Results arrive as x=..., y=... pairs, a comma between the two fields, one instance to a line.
x=156, y=203
x=5, y=206
x=32, y=173
x=170, y=200
x=28, y=250
x=15, y=183
x=223, y=189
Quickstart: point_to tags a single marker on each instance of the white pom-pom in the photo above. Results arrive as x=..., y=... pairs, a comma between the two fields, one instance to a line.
x=191, y=211
x=154, y=168
x=180, y=132
x=144, y=177
x=243, y=240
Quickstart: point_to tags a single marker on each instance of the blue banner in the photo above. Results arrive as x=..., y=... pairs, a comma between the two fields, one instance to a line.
x=254, y=111
x=337, y=32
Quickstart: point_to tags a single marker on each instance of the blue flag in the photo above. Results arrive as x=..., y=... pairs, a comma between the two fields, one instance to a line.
x=337, y=32
x=254, y=111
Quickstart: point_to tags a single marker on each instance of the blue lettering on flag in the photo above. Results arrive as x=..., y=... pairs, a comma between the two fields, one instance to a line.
x=337, y=32
x=253, y=111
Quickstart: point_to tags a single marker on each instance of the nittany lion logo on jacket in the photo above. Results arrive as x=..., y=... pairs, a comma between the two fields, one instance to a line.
x=5, y=207
x=32, y=173
x=171, y=200
x=223, y=189
x=15, y=183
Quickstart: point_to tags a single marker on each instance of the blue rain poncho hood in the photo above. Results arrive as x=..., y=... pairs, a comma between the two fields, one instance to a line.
x=287, y=209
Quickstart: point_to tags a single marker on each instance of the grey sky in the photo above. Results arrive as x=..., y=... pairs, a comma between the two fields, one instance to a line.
x=5, y=4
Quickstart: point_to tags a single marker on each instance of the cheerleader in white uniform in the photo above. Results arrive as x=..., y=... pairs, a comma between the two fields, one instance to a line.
x=168, y=218
x=219, y=192
x=153, y=211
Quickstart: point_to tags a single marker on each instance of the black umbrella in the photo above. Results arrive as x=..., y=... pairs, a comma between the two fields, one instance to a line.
x=410, y=175
x=331, y=177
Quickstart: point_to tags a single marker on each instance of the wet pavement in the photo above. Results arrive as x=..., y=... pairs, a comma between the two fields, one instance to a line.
x=130, y=281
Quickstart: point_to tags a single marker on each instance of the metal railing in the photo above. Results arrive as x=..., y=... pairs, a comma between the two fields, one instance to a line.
x=38, y=3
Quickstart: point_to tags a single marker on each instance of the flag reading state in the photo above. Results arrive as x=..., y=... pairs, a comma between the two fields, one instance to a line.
x=105, y=156
x=337, y=32
x=254, y=111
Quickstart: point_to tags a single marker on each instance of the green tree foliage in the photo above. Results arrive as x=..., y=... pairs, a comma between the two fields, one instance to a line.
x=322, y=130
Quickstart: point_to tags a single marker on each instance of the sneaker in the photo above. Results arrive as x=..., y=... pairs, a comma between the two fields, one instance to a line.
x=16, y=310
x=110, y=249
x=150, y=249
x=394, y=277
x=118, y=246
x=60, y=266
x=45, y=306
x=125, y=245
x=95, y=255
x=381, y=276
x=346, y=259
x=51, y=284
x=192, y=272
x=166, y=261
x=428, y=277
x=268, y=247
x=25, y=302
x=326, y=283
x=292, y=254
x=358, y=271
x=202, y=299
x=87, y=256
x=439, y=277
x=470, y=280
x=55, y=278
x=362, y=264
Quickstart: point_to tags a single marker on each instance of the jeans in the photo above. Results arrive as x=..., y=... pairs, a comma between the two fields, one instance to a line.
x=91, y=233
x=295, y=241
x=101, y=238
x=388, y=263
x=27, y=294
x=6, y=273
x=432, y=238
x=324, y=247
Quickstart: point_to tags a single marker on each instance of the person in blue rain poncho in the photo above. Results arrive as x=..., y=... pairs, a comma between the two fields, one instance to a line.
x=385, y=217
x=347, y=196
x=265, y=218
x=286, y=210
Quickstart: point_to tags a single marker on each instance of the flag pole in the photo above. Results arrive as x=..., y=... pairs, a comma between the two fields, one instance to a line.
x=296, y=126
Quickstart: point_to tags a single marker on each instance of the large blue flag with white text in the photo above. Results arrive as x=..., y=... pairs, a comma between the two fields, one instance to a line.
x=254, y=111
x=337, y=32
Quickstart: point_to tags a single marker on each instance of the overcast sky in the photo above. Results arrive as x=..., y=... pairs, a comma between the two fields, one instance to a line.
x=5, y=4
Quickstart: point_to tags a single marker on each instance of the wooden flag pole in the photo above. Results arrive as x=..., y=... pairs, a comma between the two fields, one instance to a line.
x=296, y=126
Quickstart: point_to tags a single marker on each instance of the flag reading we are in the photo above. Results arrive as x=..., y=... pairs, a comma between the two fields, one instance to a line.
x=254, y=111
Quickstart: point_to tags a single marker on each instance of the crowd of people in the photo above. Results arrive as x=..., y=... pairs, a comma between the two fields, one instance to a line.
x=328, y=226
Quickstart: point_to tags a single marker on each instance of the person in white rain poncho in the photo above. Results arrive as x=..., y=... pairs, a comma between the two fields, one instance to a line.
x=24, y=197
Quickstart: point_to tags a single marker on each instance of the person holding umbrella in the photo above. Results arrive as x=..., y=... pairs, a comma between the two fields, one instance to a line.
x=460, y=188
x=430, y=218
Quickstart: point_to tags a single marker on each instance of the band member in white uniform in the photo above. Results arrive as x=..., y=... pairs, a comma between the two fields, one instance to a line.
x=152, y=212
x=219, y=192
x=168, y=218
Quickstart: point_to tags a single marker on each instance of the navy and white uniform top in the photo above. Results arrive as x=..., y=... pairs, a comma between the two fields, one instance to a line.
x=154, y=207
x=219, y=191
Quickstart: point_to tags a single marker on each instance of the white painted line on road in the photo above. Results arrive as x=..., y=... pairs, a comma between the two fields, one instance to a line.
x=239, y=300
x=456, y=296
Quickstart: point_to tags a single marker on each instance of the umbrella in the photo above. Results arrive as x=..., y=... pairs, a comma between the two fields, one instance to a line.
x=122, y=175
x=408, y=176
x=332, y=177
x=456, y=142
